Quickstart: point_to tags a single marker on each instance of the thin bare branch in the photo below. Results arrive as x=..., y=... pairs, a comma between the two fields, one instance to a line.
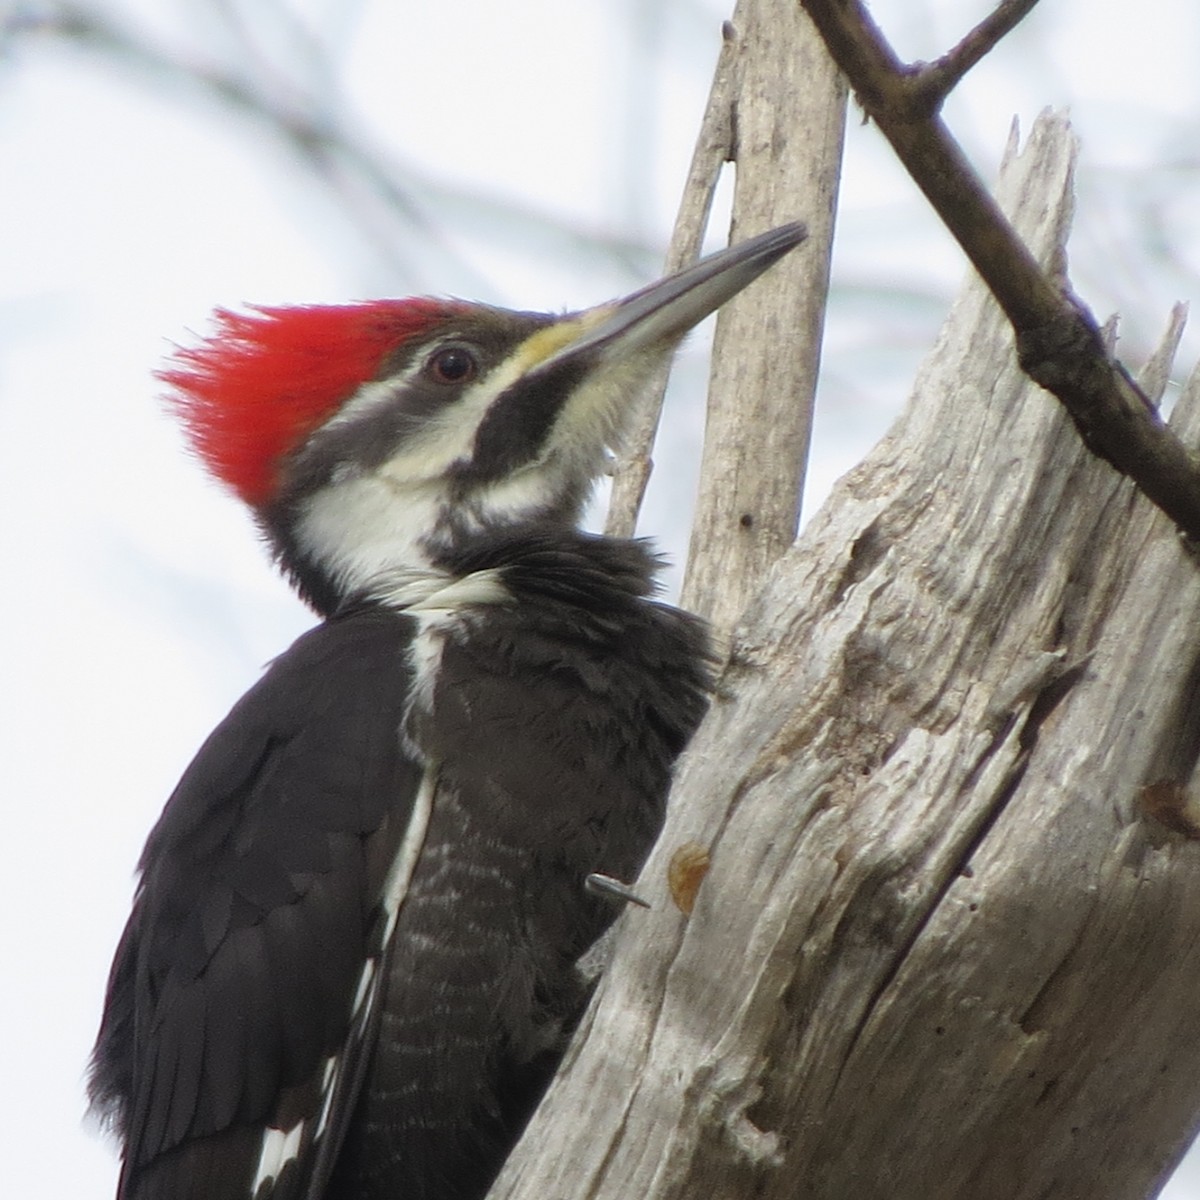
x=714, y=146
x=1058, y=341
x=388, y=202
x=938, y=79
x=789, y=121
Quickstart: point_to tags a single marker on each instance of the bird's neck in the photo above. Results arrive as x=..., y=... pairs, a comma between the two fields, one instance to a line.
x=557, y=564
x=463, y=563
x=536, y=566
x=368, y=538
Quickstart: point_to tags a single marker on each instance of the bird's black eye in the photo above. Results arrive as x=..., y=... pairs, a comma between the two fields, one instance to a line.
x=452, y=364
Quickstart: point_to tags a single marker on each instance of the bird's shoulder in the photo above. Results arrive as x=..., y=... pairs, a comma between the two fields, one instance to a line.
x=583, y=617
x=258, y=897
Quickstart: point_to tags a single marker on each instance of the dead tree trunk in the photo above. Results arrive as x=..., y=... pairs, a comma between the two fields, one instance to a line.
x=944, y=948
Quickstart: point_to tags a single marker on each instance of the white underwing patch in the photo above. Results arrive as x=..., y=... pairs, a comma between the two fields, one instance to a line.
x=329, y=1082
x=365, y=979
x=405, y=862
x=425, y=660
x=370, y=981
x=279, y=1147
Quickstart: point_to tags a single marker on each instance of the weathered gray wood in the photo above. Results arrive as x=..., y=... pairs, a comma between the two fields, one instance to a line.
x=789, y=116
x=941, y=953
x=714, y=145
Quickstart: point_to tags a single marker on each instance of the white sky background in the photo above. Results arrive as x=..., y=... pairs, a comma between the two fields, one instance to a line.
x=137, y=604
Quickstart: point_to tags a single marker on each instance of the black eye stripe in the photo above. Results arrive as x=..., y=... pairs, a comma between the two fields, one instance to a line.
x=517, y=424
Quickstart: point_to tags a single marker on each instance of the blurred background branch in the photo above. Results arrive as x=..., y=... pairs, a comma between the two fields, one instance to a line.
x=160, y=157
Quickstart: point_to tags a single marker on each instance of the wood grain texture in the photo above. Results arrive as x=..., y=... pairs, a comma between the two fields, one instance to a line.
x=941, y=951
x=788, y=121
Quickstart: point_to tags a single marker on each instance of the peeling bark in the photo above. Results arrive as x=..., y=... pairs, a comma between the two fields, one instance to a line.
x=944, y=948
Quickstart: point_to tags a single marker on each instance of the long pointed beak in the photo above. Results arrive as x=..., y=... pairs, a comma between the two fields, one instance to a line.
x=660, y=314
x=569, y=384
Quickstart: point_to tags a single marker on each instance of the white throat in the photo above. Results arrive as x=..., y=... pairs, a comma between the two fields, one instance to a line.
x=363, y=530
x=371, y=536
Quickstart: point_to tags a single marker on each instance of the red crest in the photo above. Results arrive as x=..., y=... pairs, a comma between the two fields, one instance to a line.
x=267, y=378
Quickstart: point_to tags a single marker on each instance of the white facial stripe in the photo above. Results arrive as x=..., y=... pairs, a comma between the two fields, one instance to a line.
x=531, y=490
x=376, y=394
x=595, y=414
x=590, y=423
x=449, y=437
x=369, y=531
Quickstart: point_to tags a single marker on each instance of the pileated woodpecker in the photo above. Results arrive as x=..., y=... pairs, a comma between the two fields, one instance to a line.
x=352, y=960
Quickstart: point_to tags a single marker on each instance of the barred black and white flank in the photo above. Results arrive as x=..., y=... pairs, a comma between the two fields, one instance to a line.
x=351, y=965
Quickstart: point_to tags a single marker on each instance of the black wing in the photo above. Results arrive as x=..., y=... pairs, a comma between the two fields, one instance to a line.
x=239, y=1004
